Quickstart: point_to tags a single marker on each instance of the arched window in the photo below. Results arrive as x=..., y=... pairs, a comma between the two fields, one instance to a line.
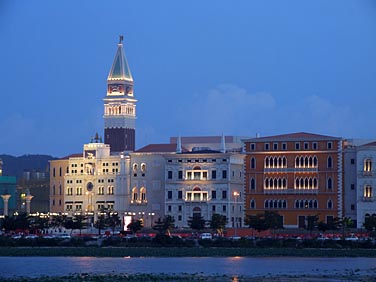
x=310, y=162
x=275, y=162
x=301, y=162
x=315, y=161
x=267, y=164
x=301, y=204
x=296, y=204
x=297, y=162
x=253, y=184
x=306, y=162
x=266, y=204
x=253, y=163
x=280, y=204
x=315, y=182
x=266, y=183
x=367, y=165
x=284, y=204
x=143, y=194
x=284, y=162
x=279, y=183
x=284, y=183
x=368, y=191
x=297, y=183
x=329, y=184
x=310, y=204
x=315, y=204
x=134, y=194
x=252, y=204
x=330, y=204
x=330, y=162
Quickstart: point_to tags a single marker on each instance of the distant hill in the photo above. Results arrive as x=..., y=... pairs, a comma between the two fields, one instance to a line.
x=15, y=166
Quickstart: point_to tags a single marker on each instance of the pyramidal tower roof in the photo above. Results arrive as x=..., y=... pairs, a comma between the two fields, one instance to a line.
x=120, y=69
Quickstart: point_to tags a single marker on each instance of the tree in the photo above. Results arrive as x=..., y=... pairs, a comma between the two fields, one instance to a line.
x=370, y=223
x=135, y=225
x=312, y=222
x=75, y=223
x=273, y=220
x=164, y=226
x=268, y=220
x=100, y=223
x=218, y=222
x=256, y=222
x=197, y=222
x=113, y=220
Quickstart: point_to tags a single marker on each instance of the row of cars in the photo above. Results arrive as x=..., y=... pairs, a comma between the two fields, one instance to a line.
x=45, y=236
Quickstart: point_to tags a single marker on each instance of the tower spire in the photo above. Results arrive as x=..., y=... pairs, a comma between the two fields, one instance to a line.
x=178, y=145
x=120, y=105
x=223, y=144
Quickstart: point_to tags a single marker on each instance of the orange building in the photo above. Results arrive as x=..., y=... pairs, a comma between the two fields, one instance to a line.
x=298, y=175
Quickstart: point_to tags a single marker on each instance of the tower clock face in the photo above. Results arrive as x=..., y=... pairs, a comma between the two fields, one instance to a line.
x=89, y=186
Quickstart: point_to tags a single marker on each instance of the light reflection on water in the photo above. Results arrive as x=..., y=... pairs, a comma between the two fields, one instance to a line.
x=235, y=266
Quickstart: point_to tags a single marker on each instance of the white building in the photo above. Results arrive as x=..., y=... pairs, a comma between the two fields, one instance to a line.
x=366, y=182
x=96, y=181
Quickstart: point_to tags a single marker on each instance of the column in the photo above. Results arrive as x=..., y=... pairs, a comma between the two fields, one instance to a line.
x=28, y=200
x=6, y=200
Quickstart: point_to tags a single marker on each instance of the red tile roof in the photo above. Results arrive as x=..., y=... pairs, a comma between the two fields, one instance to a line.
x=159, y=148
x=299, y=136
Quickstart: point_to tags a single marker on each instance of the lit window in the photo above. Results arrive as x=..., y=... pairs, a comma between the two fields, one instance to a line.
x=368, y=191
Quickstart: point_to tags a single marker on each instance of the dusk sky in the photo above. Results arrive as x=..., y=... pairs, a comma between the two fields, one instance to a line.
x=199, y=67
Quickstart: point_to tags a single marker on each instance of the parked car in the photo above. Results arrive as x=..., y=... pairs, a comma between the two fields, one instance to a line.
x=206, y=236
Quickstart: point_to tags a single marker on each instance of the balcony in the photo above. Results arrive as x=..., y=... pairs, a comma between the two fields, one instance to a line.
x=291, y=191
x=197, y=196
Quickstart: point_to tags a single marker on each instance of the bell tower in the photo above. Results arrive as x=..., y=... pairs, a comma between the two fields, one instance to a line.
x=120, y=105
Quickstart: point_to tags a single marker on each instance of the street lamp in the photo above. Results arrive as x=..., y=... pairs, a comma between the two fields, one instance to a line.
x=236, y=195
x=151, y=215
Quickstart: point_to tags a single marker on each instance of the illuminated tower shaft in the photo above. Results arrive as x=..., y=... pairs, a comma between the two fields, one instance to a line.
x=120, y=105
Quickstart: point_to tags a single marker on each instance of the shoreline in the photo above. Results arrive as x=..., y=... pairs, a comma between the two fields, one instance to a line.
x=181, y=252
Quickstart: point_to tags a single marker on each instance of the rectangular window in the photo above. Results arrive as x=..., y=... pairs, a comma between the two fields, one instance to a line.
x=179, y=208
x=314, y=146
x=352, y=207
x=306, y=145
x=179, y=217
x=224, y=174
x=169, y=174
x=267, y=146
x=253, y=146
x=284, y=146
x=352, y=186
x=330, y=145
x=214, y=174
x=214, y=194
x=180, y=174
x=275, y=146
x=297, y=146
x=213, y=208
x=169, y=195
x=169, y=208
x=224, y=208
x=224, y=194
x=180, y=194
x=352, y=161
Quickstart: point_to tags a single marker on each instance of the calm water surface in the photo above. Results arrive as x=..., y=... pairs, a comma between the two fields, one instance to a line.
x=57, y=266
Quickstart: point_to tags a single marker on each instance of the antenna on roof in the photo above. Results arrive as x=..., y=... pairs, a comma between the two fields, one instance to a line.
x=121, y=38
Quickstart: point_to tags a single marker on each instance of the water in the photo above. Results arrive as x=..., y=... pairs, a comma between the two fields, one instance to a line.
x=245, y=266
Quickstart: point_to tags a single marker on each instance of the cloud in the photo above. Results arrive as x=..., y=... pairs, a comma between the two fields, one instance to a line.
x=226, y=108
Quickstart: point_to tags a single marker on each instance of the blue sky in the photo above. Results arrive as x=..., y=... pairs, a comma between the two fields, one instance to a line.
x=200, y=68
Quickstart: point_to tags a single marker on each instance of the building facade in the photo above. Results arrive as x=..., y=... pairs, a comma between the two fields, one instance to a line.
x=366, y=182
x=297, y=175
x=203, y=182
x=91, y=183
